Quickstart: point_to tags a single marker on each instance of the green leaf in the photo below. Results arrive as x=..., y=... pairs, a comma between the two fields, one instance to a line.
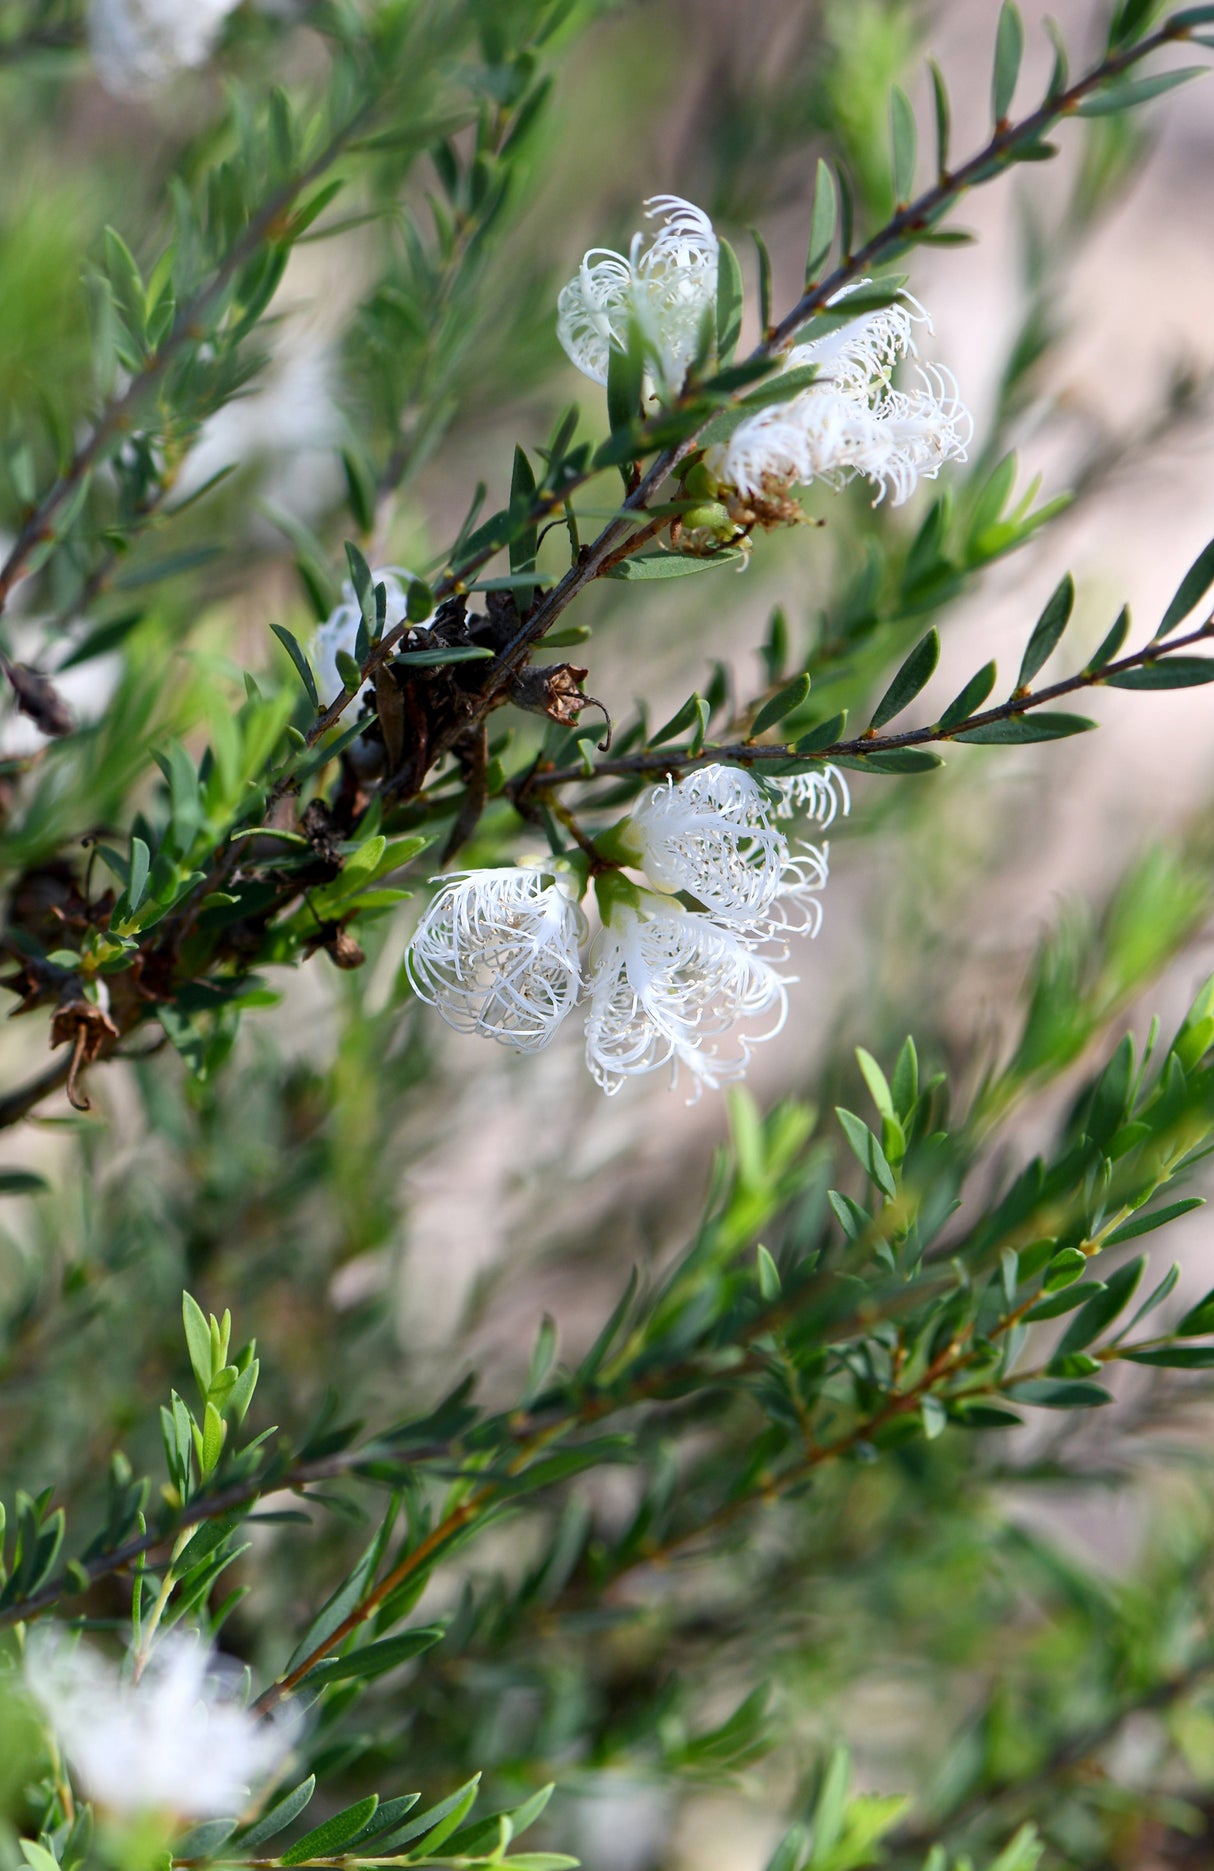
x=646, y=565
x=1041, y=725
x=1050, y=1393
x=141, y=864
x=783, y=702
x=1067, y=1301
x=824, y=735
x=731, y=294
x=769, y=1275
x=1047, y=632
x=625, y=375
x=22, y=1182
x=892, y=760
x=325, y=1841
x=905, y=145
x=524, y=544
x=822, y=224
x=37, y=1857
x=440, y=1821
x=1134, y=91
x=453, y=653
x=375, y=1659
x=1166, y=672
x=1113, y=642
x=280, y=1816
x=685, y=717
x=302, y=665
x=1064, y=1269
x=1198, y=1320
x=1131, y=20
x=1101, y=1309
x=871, y=1156
x=943, y=116
x=198, y=1342
x=934, y=1417
x=364, y=584
x=1009, y=50
x=971, y=697
x=1159, y=1218
x=419, y=601
x=876, y=1081
x=1175, y=1357
x=914, y=675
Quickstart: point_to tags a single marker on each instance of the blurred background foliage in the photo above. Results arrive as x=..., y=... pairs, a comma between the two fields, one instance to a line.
x=1009, y=1627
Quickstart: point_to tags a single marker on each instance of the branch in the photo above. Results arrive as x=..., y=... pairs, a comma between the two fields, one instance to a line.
x=751, y=753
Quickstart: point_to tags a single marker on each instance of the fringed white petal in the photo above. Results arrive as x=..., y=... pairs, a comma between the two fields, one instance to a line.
x=712, y=835
x=671, y=987
x=497, y=953
x=667, y=287
x=179, y=1741
x=820, y=795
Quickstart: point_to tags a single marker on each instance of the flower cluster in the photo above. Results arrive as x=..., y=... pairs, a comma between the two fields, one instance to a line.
x=138, y=45
x=668, y=980
x=176, y=1741
x=849, y=421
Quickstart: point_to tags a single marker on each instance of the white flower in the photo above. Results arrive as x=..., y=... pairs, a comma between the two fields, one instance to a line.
x=497, y=953
x=340, y=629
x=851, y=421
x=138, y=45
x=669, y=290
x=670, y=986
x=712, y=835
x=179, y=1741
x=821, y=795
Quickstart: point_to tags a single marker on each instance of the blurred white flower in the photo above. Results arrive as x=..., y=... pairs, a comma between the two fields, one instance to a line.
x=670, y=986
x=497, y=953
x=851, y=420
x=820, y=795
x=712, y=835
x=340, y=629
x=179, y=1741
x=669, y=289
x=138, y=45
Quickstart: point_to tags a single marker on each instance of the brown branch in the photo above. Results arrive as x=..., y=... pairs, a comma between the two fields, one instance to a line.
x=752, y=753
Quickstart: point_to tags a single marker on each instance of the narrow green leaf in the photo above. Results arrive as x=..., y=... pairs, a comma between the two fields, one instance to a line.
x=731, y=294
x=1128, y=94
x=523, y=545
x=325, y=1841
x=905, y=145
x=868, y=1151
x=934, y=1417
x=364, y=584
x=436, y=1825
x=1113, y=642
x=914, y=675
x=375, y=1659
x=453, y=653
x=198, y=1342
x=822, y=224
x=302, y=665
x=625, y=372
x=683, y=718
x=1047, y=632
x=1059, y=1394
x=280, y=1816
x=1067, y=1301
x=1175, y=1357
x=971, y=697
x=1158, y=1218
x=892, y=760
x=1167, y=672
x=1009, y=50
x=943, y=116
x=141, y=864
x=824, y=735
x=876, y=1081
x=1101, y=1309
x=1041, y=725
x=783, y=702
